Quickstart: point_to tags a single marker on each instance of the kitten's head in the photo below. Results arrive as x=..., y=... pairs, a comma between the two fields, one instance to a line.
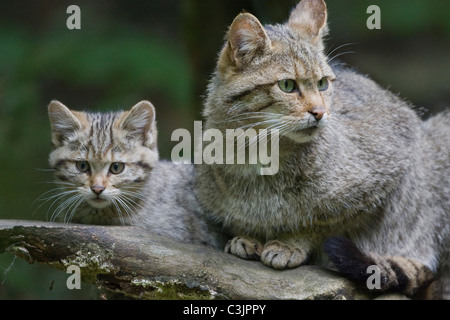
x=103, y=159
x=274, y=76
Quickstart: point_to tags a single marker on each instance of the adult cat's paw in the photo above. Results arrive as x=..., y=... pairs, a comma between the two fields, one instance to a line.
x=279, y=255
x=244, y=247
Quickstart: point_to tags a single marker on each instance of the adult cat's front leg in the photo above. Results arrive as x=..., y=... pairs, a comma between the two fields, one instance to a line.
x=284, y=255
x=274, y=254
x=244, y=247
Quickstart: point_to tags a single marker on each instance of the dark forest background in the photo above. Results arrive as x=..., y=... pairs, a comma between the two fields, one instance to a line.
x=165, y=51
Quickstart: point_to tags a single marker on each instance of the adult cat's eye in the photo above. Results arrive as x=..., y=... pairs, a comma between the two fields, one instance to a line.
x=287, y=85
x=117, y=167
x=322, y=84
x=83, y=166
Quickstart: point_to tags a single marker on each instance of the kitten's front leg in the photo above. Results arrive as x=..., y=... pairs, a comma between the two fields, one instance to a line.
x=285, y=255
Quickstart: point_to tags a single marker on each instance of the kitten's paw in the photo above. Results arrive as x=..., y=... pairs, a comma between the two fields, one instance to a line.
x=244, y=247
x=279, y=255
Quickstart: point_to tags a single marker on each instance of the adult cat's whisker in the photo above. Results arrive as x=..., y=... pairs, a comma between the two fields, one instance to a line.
x=340, y=54
x=235, y=107
x=252, y=125
x=278, y=126
x=250, y=142
x=249, y=115
x=283, y=130
x=268, y=131
x=339, y=47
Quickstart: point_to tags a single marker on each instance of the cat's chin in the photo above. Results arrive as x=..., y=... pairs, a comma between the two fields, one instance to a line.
x=98, y=203
x=303, y=136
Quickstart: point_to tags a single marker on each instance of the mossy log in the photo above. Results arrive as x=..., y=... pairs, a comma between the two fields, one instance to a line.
x=130, y=261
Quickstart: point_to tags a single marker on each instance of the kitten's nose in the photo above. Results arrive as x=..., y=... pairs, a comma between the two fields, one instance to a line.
x=97, y=189
x=317, y=112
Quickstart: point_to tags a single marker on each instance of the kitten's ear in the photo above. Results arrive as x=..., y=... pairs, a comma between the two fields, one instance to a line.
x=140, y=122
x=63, y=121
x=309, y=20
x=246, y=40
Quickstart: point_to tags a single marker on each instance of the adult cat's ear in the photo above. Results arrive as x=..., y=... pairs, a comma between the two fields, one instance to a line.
x=140, y=122
x=63, y=121
x=309, y=20
x=246, y=40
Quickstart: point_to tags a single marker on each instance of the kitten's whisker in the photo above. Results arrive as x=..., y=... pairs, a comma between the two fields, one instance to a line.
x=47, y=199
x=55, y=199
x=132, y=203
x=135, y=194
x=130, y=213
x=118, y=211
x=55, y=195
x=124, y=205
x=62, y=206
x=73, y=208
x=58, y=182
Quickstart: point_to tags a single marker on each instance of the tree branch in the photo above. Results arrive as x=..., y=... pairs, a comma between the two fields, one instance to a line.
x=133, y=262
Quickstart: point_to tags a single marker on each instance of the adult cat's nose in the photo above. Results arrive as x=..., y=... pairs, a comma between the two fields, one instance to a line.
x=97, y=189
x=317, y=112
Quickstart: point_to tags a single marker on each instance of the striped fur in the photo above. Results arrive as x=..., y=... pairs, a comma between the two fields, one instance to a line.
x=396, y=273
x=102, y=139
x=152, y=194
x=372, y=171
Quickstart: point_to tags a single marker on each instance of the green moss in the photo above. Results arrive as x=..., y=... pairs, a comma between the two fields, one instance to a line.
x=171, y=290
x=92, y=260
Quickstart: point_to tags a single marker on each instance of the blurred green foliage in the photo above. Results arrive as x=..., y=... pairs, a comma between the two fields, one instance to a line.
x=164, y=51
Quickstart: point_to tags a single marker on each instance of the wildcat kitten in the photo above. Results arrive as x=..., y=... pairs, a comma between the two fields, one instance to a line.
x=356, y=164
x=108, y=170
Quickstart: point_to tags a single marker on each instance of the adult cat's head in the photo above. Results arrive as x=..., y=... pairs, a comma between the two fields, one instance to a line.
x=101, y=160
x=274, y=76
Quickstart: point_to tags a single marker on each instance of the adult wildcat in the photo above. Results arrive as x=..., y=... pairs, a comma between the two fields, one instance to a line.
x=108, y=172
x=355, y=160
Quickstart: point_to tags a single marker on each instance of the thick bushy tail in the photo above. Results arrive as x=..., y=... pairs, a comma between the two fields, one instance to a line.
x=398, y=274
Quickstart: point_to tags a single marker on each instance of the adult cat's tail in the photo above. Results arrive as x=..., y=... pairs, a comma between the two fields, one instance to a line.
x=395, y=273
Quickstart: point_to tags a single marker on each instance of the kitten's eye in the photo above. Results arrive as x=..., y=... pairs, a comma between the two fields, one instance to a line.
x=117, y=167
x=287, y=85
x=322, y=85
x=83, y=166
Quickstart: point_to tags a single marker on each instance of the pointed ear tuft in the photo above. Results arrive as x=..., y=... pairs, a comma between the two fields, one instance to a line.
x=63, y=122
x=246, y=40
x=309, y=20
x=140, y=122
